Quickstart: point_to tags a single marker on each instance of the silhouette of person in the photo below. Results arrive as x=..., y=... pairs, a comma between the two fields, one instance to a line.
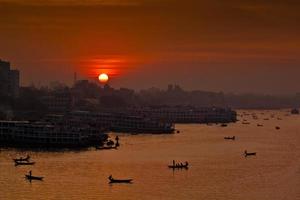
x=186, y=163
x=30, y=173
x=117, y=141
x=173, y=162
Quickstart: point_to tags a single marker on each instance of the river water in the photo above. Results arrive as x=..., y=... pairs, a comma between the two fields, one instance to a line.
x=218, y=168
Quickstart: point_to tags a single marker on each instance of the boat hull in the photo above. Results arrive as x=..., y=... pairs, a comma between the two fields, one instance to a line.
x=121, y=181
x=178, y=167
x=34, y=177
x=24, y=163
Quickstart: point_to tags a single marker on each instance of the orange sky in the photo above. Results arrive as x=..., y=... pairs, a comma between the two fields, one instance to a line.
x=230, y=45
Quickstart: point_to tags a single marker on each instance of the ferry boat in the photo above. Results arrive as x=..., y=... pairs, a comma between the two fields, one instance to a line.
x=139, y=124
x=31, y=134
x=125, y=122
x=188, y=114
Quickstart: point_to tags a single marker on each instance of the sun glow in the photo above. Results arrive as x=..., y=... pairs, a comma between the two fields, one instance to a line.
x=103, y=78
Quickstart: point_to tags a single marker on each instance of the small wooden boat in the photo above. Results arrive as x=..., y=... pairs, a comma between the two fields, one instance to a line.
x=106, y=148
x=112, y=180
x=24, y=163
x=249, y=154
x=179, y=166
x=30, y=177
x=22, y=159
x=229, y=138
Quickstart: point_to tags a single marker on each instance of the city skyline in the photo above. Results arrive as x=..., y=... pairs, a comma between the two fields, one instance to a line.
x=232, y=46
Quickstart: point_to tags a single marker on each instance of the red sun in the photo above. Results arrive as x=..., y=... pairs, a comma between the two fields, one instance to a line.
x=103, y=78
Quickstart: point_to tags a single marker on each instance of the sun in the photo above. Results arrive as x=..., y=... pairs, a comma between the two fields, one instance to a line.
x=103, y=78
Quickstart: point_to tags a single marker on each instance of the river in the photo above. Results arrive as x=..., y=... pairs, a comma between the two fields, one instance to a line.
x=218, y=168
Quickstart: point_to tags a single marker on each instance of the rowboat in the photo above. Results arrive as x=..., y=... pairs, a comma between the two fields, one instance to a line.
x=178, y=166
x=112, y=180
x=30, y=177
x=249, y=154
x=229, y=138
x=106, y=148
x=24, y=163
x=22, y=159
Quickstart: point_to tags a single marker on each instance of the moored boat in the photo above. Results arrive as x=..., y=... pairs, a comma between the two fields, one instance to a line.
x=106, y=148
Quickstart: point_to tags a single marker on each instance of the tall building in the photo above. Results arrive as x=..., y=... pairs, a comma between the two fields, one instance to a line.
x=9, y=80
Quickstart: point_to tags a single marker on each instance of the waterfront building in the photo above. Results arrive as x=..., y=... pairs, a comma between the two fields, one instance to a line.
x=59, y=101
x=9, y=80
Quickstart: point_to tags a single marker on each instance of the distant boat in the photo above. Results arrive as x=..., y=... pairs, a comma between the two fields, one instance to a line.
x=112, y=180
x=295, y=111
x=277, y=127
x=260, y=125
x=223, y=125
x=266, y=118
x=22, y=159
x=24, y=163
x=249, y=154
x=229, y=138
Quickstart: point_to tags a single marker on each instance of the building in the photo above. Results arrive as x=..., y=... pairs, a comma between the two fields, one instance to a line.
x=59, y=101
x=9, y=80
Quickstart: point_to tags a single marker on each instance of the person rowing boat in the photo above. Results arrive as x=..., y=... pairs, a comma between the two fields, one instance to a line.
x=22, y=159
x=179, y=165
x=30, y=177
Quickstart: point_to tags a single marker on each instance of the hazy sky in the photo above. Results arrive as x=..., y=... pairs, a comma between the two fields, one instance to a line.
x=229, y=45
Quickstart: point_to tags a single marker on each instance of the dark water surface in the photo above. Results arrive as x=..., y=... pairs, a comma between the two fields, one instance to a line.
x=218, y=168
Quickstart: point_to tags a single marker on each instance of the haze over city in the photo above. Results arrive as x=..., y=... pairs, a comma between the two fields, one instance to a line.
x=231, y=46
